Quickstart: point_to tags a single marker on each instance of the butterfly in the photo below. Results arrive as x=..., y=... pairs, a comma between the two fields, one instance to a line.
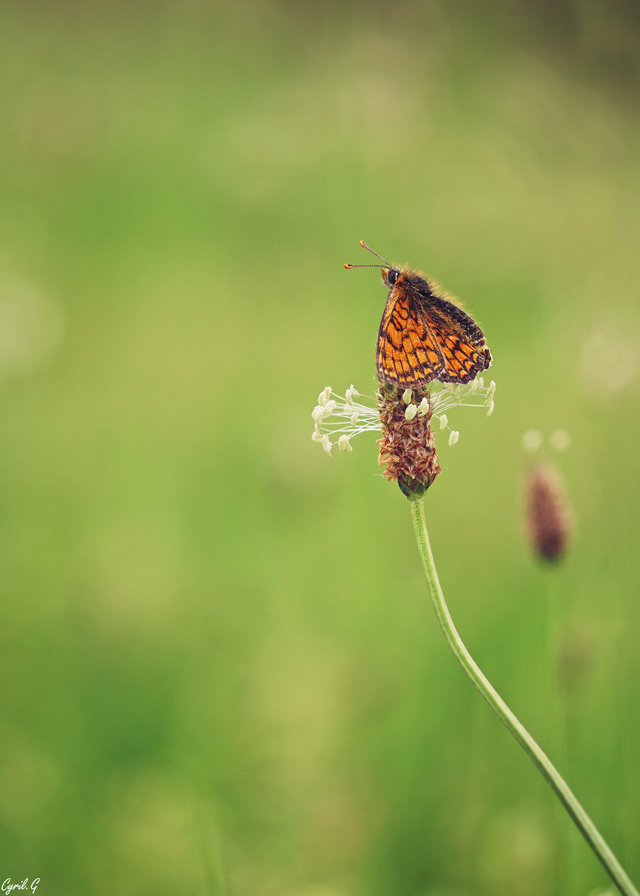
x=423, y=336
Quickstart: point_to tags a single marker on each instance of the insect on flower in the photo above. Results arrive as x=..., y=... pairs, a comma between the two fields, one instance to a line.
x=423, y=336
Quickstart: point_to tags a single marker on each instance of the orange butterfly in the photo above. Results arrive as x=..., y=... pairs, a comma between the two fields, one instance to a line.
x=422, y=336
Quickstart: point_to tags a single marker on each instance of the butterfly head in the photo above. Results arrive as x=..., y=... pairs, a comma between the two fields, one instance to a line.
x=396, y=277
x=390, y=276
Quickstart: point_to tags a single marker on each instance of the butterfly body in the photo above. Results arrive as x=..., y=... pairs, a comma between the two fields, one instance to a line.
x=425, y=337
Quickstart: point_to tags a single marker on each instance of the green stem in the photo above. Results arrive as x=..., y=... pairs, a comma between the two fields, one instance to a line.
x=495, y=701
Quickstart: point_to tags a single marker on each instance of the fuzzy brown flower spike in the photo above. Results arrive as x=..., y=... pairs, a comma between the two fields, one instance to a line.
x=407, y=446
x=549, y=518
x=404, y=418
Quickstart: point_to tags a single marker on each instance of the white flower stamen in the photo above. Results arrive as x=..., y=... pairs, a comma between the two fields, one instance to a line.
x=337, y=420
x=324, y=396
x=322, y=411
x=411, y=411
x=350, y=394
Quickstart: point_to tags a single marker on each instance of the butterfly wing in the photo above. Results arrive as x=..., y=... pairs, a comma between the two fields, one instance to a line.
x=407, y=351
x=459, y=338
x=423, y=337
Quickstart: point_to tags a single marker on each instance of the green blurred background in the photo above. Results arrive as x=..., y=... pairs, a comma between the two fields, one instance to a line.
x=220, y=670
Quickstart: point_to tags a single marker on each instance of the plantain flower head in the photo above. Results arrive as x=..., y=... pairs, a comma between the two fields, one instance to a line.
x=406, y=419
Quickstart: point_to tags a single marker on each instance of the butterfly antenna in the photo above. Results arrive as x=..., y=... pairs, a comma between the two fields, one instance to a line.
x=364, y=246
x=363, y=266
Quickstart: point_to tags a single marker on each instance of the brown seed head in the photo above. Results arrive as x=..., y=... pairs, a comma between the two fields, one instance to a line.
x=407, y=446
x=548, y=513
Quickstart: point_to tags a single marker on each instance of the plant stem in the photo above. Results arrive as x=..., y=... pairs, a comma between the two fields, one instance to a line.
x=513, y=725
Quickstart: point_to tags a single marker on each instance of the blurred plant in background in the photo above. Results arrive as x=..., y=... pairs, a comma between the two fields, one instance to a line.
x=548, y=513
